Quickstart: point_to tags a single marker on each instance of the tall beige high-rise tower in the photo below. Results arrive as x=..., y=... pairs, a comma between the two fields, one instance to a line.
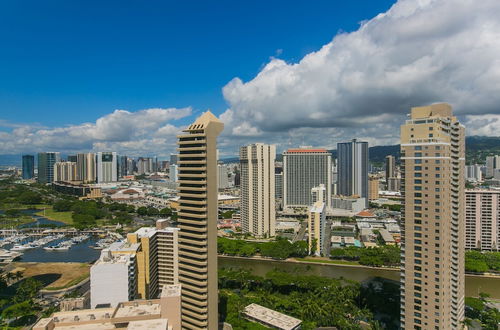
x=197, y=217
x=86, y=167
x=258, y=209
x=433, y=219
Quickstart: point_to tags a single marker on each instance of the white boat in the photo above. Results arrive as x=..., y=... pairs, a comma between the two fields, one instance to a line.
x=19, y=247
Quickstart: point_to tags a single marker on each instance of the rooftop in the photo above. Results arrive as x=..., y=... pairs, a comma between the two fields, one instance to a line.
x=138, y=309
x=271, y=317
x=146, y=232
x=158, y=324
x=365, y=214
x=304, y=150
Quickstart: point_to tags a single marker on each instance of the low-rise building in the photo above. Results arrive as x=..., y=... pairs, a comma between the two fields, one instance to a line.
x=354, y=204
x=387, y=237
x=156, y=314
x=271, y=318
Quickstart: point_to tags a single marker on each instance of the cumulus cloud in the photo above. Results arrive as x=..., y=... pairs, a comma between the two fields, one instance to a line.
x=137, y=133
x=361, y=84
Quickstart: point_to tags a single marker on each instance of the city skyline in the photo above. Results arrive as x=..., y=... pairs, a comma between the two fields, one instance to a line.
x=368, y=103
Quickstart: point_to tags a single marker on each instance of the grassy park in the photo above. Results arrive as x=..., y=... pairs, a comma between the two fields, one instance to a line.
x=54, y=275
x=49, y=213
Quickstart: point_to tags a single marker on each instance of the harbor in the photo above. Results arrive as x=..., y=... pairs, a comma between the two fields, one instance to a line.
x=50, y=247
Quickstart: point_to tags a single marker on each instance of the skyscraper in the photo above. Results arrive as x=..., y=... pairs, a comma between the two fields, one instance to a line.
x=86, y=168
x=482, y=219
x=64, y=171
x=432, y=164
x=28, y=167
x=222, y=178
x=197, y=217
x=390, y=167
x=106, y=167
x=492, y=163
x=258, y=189
x=353, y=169
x=46, y=161
x=122, y=166
x=304, y=169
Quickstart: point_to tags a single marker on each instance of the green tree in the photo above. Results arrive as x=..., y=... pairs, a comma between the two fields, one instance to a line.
x=27, y=290
x=142, y=210
x=83, y=221
x=63, y=205
x=17, y=310
x=30, y=198
x=165, y=212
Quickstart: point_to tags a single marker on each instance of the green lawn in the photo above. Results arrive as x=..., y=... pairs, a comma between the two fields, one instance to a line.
x=57, y=216
x=337, y=262
x=9, y=223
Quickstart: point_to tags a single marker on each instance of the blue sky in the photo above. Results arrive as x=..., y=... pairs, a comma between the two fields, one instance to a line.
x=67, y=62
x=126, y=76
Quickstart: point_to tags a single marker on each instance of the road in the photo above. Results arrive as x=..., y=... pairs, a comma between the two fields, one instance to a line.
x=301, y=233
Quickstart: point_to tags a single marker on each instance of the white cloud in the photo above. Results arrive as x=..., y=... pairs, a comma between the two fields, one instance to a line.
x=137, y=133
x=363, y=83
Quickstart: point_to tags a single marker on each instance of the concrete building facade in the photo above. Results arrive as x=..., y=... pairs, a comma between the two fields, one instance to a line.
x=197, y=217
x=258, y=207
x=304, y=169
x=222, y=176
x=113, y=279
x=492, y=163
x=65, y=171
x=482, y=219
x=352, y=162
x=390, y=167
x=473, y=173
x=86, y=167
x=373, y=183
x=107, y=167
x=433, y=219
x=316, y=221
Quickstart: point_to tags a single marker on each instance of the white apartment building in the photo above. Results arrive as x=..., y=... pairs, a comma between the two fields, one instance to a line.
x=173, y=171
x=222, y=176
x=482, y=219
x=113, y=279
x=107, y=170
x=473, y=173
x=258, y=209
x=304, y=169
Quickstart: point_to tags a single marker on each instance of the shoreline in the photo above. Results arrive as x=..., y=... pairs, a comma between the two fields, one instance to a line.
x=305, y=262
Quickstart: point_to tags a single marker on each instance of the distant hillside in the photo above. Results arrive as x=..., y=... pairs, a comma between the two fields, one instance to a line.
x=477, y=148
